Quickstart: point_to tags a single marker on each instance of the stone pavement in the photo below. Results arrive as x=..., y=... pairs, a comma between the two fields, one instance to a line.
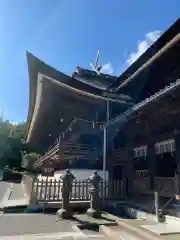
x=131, y=229
x=3, y=188
x=17, y=192
x=18, y=224
x=13, y=196
x=40, y=226
x=35, y=226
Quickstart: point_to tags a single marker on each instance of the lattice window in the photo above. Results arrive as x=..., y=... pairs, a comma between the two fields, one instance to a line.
x=167, y=146
x=140, y=151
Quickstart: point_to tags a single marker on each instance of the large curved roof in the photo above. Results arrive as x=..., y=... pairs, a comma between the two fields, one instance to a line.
x=56, y=99
x=36, y=66
x=52, y=92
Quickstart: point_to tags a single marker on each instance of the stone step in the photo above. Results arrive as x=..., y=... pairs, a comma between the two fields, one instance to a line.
x=55, y=236
x=172, y=220
x=11, y=206
x=124, y=233
x=142, y=229
x=129, y=230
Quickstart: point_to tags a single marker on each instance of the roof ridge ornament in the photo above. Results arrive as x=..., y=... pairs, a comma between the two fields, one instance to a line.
x=96, y=67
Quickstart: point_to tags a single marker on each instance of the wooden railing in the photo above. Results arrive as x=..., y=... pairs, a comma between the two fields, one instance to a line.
x=141, y=185
x=66, y=149
x=50, y=190
x=142, y=173
x=77, y=125
x=166, y=187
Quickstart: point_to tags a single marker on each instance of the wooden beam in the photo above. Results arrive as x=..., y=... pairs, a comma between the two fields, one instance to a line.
x=163, y=50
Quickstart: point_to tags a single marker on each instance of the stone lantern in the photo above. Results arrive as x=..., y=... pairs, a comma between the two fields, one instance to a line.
x=67, y=180
x=94, y=210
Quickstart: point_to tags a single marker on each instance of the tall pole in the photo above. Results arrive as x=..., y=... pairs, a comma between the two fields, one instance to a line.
x=105, y=147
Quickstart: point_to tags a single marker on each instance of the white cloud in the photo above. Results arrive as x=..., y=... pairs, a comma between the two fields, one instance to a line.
x=107, y=68
x=150, y=38
x=14, y=123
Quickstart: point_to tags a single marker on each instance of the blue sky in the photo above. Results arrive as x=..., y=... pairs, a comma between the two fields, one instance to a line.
x=66, y=33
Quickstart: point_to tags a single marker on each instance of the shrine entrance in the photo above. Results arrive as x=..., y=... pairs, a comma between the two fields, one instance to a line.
x=118, y=172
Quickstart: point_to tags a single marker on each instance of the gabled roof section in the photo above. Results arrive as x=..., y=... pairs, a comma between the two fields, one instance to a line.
x=127, y=76
x=41, y=75
x=36, y=66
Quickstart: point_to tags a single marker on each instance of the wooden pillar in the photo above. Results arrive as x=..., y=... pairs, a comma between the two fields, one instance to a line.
x=177, y=143
x=110, y=172
x=129, y=170
x=151, y=156
x=110, y=165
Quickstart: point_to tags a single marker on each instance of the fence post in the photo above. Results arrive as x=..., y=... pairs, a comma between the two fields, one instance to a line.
x=67, y=180
x=33, y=191
x=94, y=211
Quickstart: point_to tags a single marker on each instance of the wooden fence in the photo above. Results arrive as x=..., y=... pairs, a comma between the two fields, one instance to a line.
x=50, y=190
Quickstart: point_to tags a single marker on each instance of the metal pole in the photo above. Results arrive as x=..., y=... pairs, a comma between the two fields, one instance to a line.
x=156, y=196
x=105, y=148
x=178, y=178
x=104, y=154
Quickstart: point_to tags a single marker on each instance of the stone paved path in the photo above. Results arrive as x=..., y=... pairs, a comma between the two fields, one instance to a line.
x=12, y=195
x=58, y=236
x=17, y=192
x=18, y=224
x=40, y=226
x=3, y=188
x=135, y=224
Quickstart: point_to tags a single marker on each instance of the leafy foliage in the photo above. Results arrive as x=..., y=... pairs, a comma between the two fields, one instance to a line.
x=29, y=159
x=5, y=129
x=12, y=146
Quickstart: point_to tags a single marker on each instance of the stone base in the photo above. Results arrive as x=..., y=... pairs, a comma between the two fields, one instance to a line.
x=63, y=213
x=93, y=213
x=162, y=228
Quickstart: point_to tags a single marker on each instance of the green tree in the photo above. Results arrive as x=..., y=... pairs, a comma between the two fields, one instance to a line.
x=5, y=129
x=29, y=159
x=11, y=144
x=14, y=152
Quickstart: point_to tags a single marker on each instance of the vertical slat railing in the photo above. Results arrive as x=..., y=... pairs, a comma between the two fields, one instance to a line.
x=50, y=182
x=45, y=189
x=83, y=195
x=87, y=190
x=54, y=190
x=74, y=190
x=41, y=190
x=36, y=189
x=79, y=191
x=50, y=190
